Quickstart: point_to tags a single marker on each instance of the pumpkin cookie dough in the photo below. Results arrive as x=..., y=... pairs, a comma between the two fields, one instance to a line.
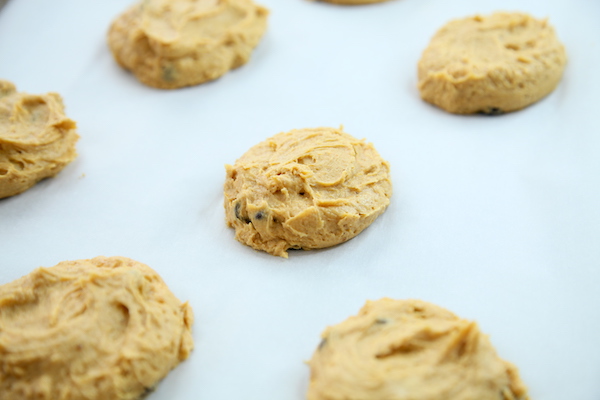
x=105, y=328
x=409, y=349
x=305, y=189
x=37, y=140
x=491, y=64
x=170, y=44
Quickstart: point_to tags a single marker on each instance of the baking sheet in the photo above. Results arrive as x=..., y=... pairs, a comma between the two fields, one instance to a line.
x=495, y=218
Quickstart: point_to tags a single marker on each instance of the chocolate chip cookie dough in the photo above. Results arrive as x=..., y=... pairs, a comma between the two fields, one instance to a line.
x=170, y=44
x=37, y=140
x=105, y=328
x=491, y=64
x=305, y=189
x=409, y=349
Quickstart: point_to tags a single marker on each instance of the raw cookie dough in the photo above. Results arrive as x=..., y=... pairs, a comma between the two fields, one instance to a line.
x=353, y=2
x=98, y=329
x=169, y=44
x=305, y=189
x=37, y=140
x=492, y=64
x=409, y=350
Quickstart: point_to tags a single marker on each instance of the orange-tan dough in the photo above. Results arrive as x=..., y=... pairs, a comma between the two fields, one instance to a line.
x=491, y=64
x=98, y=329
x=37, y=140
x=409, y=350
x=170, y=44
x=305, y=189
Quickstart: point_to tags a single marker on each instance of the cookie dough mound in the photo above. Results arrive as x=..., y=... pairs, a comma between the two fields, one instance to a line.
x=170, y=44
x=37, y=140
x=353, y=2
x=305, y=189
x=401, y=350
x=105, y=328
x=499, y=63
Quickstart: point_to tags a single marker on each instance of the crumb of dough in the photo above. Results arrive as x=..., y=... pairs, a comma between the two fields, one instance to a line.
x=37, y=140
x=305, y=189
x=98, y=329
x=491, y=64
x=409, y=349
x=170, y=44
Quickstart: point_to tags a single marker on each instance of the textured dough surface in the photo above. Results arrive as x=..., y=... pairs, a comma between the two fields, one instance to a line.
x=98, y=329
x=409, y=350
x=491, y=64
x=37, y=140
x=170, y=44
x=354, y=2
x=305, y=189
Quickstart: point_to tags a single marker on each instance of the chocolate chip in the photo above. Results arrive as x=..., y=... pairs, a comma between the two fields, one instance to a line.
x=492, y=111
x=147, y=392
x=322, y=344
x=168, y=72
x=259, y=215
x=237, y=209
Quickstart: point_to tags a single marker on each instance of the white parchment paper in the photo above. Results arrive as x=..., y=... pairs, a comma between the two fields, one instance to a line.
x=495, y=218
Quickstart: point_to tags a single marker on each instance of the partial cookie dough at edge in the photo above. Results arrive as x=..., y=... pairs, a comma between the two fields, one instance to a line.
x=353, y=2
x=37, y=140
x=400, y=349
x=103, y=328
